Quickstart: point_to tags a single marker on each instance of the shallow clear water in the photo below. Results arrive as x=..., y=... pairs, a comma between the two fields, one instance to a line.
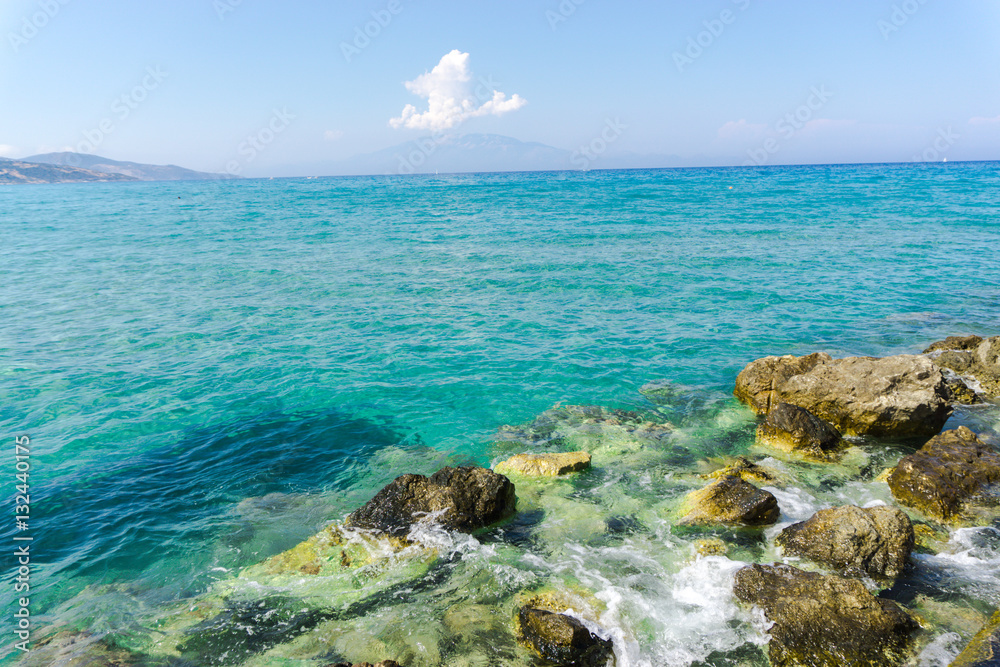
x=210, y=372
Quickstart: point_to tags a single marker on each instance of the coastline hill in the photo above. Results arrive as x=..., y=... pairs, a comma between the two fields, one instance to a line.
x=133, y=170
x=19, y=171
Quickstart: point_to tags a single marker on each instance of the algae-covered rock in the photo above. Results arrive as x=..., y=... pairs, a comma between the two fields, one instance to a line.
x=947, y=476
x=790, y=428
x=875, y=541
x=758, y=383
x=544, y=465
x=984, y=649
x=383, y=663
x=824, y=621
x=562, y=639
x=746, y=470
x=462, y=499
x=730, y=500
x=955, y=343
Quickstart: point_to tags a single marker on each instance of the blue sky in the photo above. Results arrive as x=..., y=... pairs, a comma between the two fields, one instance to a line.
x=714, y=82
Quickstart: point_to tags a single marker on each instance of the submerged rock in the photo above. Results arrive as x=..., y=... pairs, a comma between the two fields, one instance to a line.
x=901, y=396
x=544, y=465
x=947, y=475
x=562, y=639
x=984, y=649
x=973, y=357
x=874, y=541
x=462, y=499
x=383, y=663
x=757, y=385
x=824, y=621
x=790, y=428
x=730, y=500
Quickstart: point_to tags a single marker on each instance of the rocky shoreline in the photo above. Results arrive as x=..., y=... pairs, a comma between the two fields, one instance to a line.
x=838, y=604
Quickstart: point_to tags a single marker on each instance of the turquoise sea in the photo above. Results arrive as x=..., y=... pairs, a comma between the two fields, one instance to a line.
x=210, y=372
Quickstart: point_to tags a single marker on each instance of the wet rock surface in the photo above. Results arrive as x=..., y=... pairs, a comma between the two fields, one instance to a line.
x=544, y=465
x=562, y=639
x=793, y=429
x=900, y=396
x=824, y=621
x=383, y=663
x=874, y=541
x=971, y=356
x=952, y=471
x=746, y=470
x=984, y=649
x=730, y=500
x=463, y=499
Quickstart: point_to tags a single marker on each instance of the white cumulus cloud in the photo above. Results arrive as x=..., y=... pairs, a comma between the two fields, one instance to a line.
x=453, y=97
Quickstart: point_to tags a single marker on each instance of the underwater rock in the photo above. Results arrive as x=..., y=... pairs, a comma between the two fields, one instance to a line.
x=383, y=663
x=730, y=500
x=746, y=470
x=984, y=649
x=900, y=396
x=971, y=356
x=823, y=620
x=947, y=475
x=758, y=382
x=68, y=648
x=790, y=428
x=544, y=465
x=462, y=499
x=562, y=639
x=875, y=541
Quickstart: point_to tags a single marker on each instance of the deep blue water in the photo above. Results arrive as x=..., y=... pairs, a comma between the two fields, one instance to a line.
x=173, y=349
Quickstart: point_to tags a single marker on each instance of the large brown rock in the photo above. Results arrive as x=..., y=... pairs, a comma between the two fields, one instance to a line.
x=562, y=639
x=730, y=500
x=758, y=383
x=947, y=475
x=873, y=541
x=973, y=357
x=466, y=498
x=984, y=649
x=901, y=396
x=824, y=621
x=793, y=429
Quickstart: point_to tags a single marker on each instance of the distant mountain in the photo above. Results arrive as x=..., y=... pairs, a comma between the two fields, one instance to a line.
x=475, y=153
x=19, y=171
x=134, y=170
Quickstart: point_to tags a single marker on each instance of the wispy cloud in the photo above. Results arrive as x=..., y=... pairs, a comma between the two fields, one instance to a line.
x=452, y=98
x=980, y=120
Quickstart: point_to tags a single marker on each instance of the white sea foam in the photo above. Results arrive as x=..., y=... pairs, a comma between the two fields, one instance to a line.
x=972, y=557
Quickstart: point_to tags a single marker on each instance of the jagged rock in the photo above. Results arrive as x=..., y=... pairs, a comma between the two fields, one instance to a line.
x=746, y=470
x=824, y=621
x=793, y=429
x=955, y=343
x=757, y=384
x=544, y=465
x=875, y=541
x=562, y=639
x=730, y=500
x=466, y=498
x=949, y=473
x=901, y=396
x=973, y=357
x=984, y=649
